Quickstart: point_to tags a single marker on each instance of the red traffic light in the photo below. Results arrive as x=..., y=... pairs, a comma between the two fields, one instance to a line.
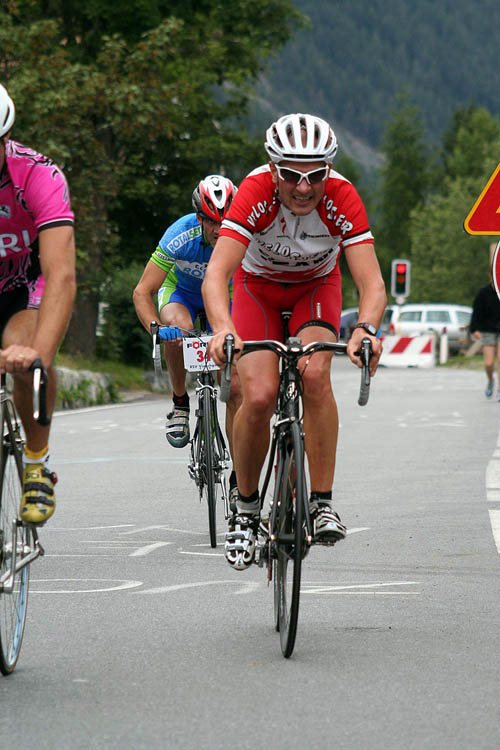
x=400, y=278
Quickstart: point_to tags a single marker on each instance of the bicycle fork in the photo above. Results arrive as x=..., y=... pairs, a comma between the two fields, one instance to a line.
x=18, y=554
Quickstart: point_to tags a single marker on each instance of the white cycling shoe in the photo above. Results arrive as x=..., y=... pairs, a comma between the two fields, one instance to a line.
x=239, y=548
x=327, y=526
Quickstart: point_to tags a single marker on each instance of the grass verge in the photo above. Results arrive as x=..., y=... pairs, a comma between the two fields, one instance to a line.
x=126, y=377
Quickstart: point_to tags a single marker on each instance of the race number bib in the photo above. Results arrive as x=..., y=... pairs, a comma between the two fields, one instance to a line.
x=196, y=357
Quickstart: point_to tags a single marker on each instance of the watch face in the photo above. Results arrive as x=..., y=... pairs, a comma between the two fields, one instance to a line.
x=369, y=328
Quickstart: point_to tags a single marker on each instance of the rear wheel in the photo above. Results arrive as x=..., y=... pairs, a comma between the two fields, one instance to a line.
x=289, y=546
x=13, y=606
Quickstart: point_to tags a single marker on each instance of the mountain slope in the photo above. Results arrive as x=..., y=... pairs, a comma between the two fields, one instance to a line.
x=358, y=55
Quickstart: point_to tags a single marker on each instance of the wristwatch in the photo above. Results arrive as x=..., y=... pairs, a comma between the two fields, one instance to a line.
x=369, y=328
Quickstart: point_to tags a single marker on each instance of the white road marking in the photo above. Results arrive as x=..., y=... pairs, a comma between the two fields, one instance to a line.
x=112, y=459
x=121, y=585
x=248, y=588
x=357, y=530
x=87, y=528
x=165, y=528
x=90, y=554
x=307, y=588
x=143, y=551
x=200, y=554
x=139, y=551
x=495, y=525
x=493, y=492
x=322, y=589
x=182, y=586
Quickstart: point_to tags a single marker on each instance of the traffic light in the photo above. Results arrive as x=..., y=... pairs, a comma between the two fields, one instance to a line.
x=400, y=278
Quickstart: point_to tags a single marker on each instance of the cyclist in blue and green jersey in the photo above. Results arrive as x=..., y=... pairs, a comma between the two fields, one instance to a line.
x=174, y=274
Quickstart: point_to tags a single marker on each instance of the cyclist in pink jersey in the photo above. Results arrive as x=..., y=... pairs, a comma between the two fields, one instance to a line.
x=37, y=289
x=281, y=239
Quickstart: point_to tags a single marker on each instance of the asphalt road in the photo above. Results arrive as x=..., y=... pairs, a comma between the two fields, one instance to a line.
x=140, y=636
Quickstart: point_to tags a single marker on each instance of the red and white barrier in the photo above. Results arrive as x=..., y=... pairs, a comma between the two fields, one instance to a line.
x=409, y=351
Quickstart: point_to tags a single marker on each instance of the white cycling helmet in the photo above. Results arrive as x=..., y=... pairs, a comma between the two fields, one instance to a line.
x=7, y=111
x=285, y=139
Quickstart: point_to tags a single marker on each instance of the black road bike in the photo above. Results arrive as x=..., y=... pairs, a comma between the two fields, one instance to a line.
x=209, y=457
x=286, y=537
x=19, y=543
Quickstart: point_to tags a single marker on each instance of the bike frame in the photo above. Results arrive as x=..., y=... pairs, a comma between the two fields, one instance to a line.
x=289, y=534
x=287, y=412
x=209, y=457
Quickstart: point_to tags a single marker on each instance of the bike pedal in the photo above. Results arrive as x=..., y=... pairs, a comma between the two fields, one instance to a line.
x=31, y=525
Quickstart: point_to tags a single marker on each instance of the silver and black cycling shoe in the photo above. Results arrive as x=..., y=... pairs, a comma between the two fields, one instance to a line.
x=239, y=548
x=177, y=427
x=327, y=526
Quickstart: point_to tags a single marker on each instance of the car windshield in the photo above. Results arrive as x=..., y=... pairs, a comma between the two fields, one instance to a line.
x=410, y=315
x=438, y=316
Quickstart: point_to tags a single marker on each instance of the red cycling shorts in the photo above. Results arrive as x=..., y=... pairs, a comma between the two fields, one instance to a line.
x=258, y=303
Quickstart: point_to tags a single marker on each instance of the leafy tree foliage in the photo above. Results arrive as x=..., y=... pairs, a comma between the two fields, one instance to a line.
x=468, y=141
x=137, y=101
x=405, y=178
x=448, y=264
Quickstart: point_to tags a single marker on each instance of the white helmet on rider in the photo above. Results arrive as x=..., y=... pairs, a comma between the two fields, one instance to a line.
x=299, y=137
x=7, y=112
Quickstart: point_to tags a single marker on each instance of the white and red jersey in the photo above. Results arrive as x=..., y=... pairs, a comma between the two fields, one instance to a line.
x=289, y=248
x=34, y=195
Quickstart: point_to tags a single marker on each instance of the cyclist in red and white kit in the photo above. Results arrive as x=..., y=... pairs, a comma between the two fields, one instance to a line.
x=281, y=239
x=37, y=288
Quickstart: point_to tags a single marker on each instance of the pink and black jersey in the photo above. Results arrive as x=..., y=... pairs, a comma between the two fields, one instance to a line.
x=289, y=248
x=34, y=195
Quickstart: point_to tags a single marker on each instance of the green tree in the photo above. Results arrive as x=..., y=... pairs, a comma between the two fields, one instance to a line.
x=448, y=264
x=466, y=143
x=405, y=177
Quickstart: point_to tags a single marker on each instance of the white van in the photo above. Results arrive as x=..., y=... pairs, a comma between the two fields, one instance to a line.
x=418, y=319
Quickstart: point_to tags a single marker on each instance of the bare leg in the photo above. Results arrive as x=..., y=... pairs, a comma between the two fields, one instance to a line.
x=175, y=314
x=232, y=405
x=259, y=385
x=320, y=412
x=489, y=361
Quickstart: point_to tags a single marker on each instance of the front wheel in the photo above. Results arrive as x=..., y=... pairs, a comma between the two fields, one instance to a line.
x=289, y=546
x=208, y=467
x=14, y=541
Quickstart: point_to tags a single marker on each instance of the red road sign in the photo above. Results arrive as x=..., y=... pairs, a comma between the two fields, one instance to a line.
x=484, y=217
x=495, y=269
